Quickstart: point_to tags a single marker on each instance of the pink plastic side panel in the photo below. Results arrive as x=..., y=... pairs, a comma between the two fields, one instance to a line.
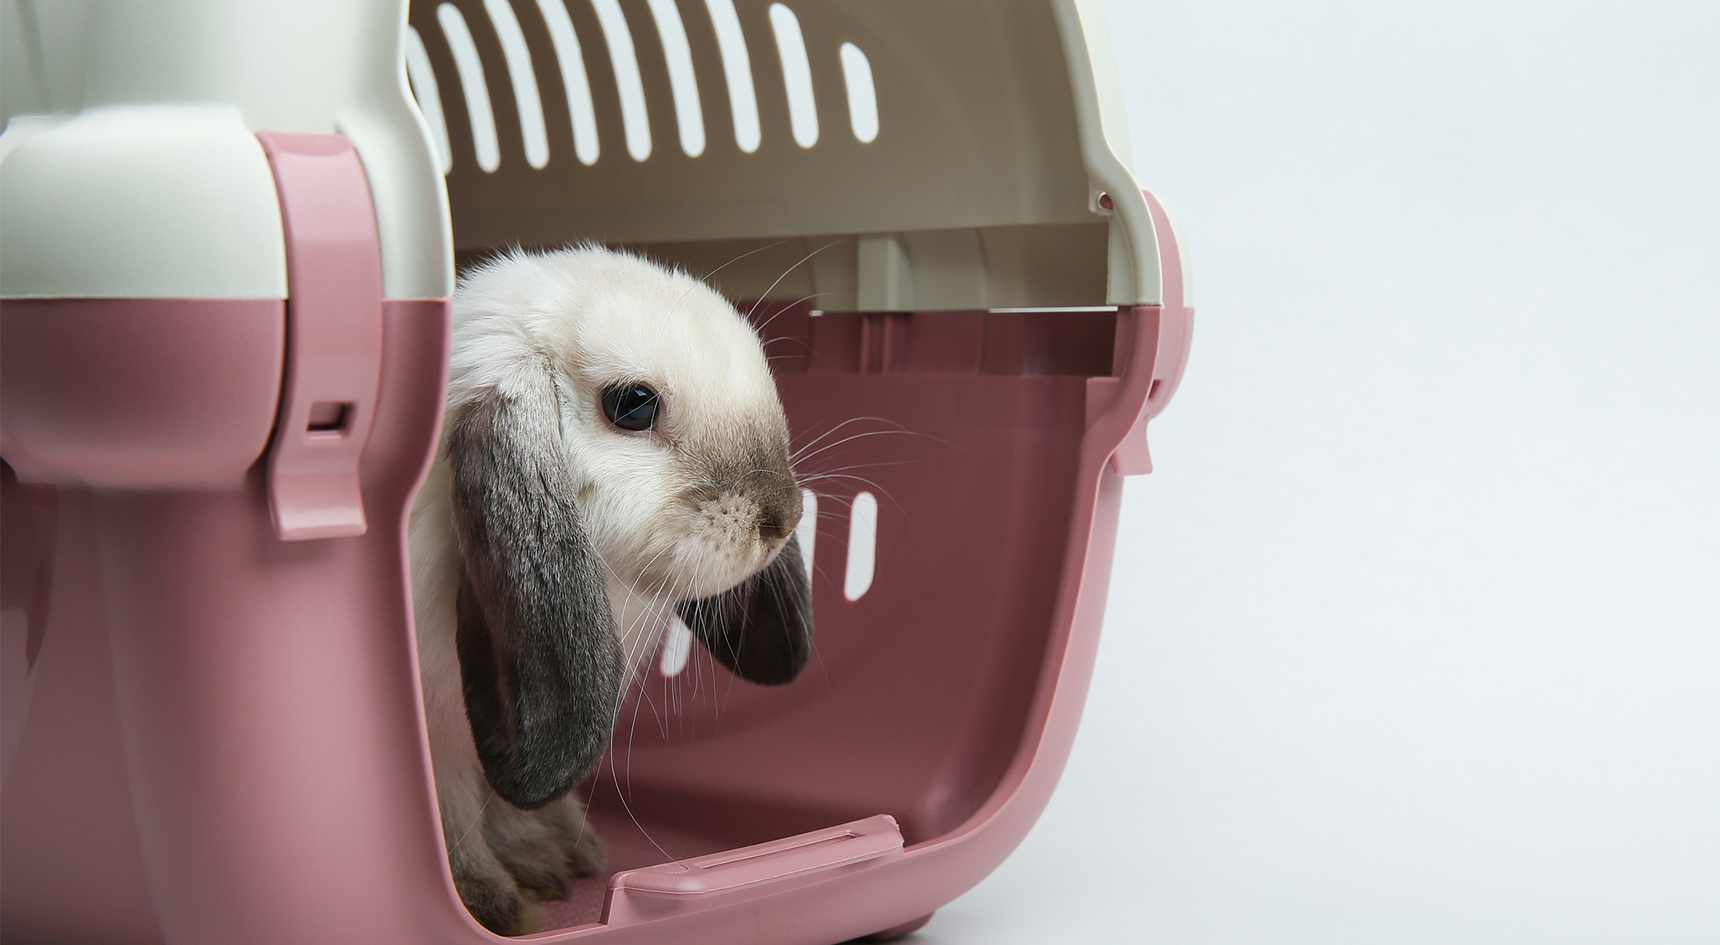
x=897, y=931
x=262, y=696
x=334, y=336
x=27, y=529
x=138, y=393
x=267, y=707
x=915, y=701
x=71, y=870
x=255, y=756
x=948, y=694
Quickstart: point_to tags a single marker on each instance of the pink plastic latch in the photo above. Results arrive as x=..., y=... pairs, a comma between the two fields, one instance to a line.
x=686, y=881
x=334, y=336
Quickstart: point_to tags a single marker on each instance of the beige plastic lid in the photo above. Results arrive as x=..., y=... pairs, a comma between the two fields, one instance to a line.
x=924, y=155
x=859, y=154
x=129, y=166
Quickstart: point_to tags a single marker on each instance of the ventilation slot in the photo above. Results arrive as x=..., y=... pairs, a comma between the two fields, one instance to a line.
x=471, y=70
x=792, y=55
x=635, y=121
x=677, y=646
x=524, y=80
x=862, y=94
x=577, y=86
x=806, y=533
x=737, y=72
x=429, y=96
x=683, y=87
x=862, y=546
x=796, y=75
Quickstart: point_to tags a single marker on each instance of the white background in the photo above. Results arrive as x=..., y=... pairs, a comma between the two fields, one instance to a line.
x=1414, y=636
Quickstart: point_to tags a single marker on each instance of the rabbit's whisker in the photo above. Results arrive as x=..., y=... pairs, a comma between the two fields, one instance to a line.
x=774, y=315
x=804, y=456
x=706, y=277
x=785, y=272
x=475, y=821
x=839, y=426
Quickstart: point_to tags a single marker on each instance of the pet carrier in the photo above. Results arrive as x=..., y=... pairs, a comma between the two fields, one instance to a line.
x=228, y=242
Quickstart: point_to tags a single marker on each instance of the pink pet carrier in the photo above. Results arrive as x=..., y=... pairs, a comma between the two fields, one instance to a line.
x=228, y=242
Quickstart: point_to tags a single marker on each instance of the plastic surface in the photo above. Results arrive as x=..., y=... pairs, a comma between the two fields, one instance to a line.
x=334, y=337
x=141, y=201
x=947, y=693
x=231, y=661
x=138, y=393
x=223, y=732
x=313, y=66
x=225, y=728
x=896, y=932
x=1133, y=275
x=775, y=861
x=996, y=129
x=1173, y=326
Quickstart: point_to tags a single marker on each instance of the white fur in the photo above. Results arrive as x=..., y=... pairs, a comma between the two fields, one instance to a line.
x=594, y=318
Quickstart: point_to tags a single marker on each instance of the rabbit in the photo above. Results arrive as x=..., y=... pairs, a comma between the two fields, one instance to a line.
x=614, y=452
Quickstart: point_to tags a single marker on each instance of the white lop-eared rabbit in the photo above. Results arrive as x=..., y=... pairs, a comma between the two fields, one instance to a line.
x=614, y=453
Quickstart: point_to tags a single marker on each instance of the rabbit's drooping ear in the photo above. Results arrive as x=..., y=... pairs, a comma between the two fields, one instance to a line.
x=540, y=660
x=761, y=629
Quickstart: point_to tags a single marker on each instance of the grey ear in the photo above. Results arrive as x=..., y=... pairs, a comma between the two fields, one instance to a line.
x=540, y=660
x=761, y=629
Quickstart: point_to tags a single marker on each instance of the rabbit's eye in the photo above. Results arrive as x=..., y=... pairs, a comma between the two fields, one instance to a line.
x=631, y=406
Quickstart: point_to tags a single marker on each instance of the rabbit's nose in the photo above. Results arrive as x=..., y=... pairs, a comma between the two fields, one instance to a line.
x=776, y=526
x=773, y=530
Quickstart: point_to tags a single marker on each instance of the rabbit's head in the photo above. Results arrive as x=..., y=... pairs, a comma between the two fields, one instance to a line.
x=609, y=422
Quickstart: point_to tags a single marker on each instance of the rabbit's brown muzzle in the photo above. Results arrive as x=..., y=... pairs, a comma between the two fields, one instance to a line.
x=751, y=497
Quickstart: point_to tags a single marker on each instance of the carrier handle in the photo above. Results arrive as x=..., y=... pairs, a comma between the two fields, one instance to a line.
x=775, y=861
x=334, y=336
